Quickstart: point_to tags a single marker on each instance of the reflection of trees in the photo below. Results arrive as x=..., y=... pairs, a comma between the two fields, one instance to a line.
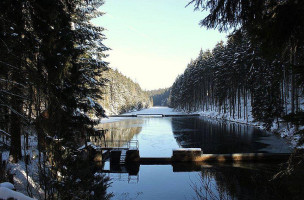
x=214, y=136
x=77, y=175
x=243, y=182
x=81, y=180
x=207, y=189
x=72, y=175
x=119, y=131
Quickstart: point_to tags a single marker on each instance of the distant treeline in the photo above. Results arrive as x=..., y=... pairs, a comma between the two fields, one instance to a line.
x=237, y=79
x=121, y=94
x=160, y=96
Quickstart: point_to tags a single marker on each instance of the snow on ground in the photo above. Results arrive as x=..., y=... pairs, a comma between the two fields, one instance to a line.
x=6, y=193
x=289, y=133
x=19, y=170
x=217, y=115
x=7, y=185
x=20, y=177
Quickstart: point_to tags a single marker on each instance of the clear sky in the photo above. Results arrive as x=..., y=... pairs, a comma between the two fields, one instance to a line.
x=152, y=41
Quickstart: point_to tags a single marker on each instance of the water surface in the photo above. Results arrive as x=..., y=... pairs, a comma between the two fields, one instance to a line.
x=158, y=136
x=230, y=181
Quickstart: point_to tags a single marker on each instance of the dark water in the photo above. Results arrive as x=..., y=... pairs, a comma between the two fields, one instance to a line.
x=224, y=137
x=158, y=136
x=243, y=181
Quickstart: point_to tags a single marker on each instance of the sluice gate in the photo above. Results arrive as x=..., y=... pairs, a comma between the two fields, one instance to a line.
x=157, y=115
x=182, y=155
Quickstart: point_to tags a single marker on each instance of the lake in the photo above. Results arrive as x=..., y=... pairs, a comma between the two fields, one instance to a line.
x=158, y=136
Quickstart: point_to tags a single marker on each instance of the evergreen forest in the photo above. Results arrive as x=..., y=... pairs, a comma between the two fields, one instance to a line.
x=57, y=87
x=121, y=94
x=160, y=96
x=238, y=80
x=258, y=73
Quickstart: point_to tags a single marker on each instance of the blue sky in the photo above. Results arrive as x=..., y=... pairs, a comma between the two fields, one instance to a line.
x=152, y=41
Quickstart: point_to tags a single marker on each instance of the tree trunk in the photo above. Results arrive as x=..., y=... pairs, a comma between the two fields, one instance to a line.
x=15, y=124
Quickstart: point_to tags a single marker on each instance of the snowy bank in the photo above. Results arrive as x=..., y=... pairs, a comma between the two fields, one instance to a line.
x=26, y=177
x=284, y=131
x=217, y=115
x=6, y=193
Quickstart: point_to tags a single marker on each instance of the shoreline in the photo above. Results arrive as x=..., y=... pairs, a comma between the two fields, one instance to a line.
x=286, y=133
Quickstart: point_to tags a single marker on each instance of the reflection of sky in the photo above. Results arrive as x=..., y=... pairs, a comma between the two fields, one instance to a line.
x=157, y=182
x=156, y=138
x=217, y=136
x=236, y=181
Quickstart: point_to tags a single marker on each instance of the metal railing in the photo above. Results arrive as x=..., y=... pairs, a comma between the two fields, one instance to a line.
x=133, y=144
x=124, y=177
x=128, y=144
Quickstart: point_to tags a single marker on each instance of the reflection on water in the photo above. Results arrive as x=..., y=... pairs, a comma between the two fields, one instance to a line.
x=188, y=181
x=118, y=133
x=223, y=137
x=122, y=130
x=158, y=136
x=213, y=136
x=244, y=181
x=155, y=135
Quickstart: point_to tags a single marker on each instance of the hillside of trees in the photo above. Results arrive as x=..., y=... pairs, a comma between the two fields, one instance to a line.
x=160, y=96
x=238, y=80
x=121, y=94
x=260, y=69
x=258, y=72
x=55, y=85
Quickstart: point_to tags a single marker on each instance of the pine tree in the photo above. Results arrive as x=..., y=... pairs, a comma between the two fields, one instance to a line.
x=17, y=57
x=232, y=78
